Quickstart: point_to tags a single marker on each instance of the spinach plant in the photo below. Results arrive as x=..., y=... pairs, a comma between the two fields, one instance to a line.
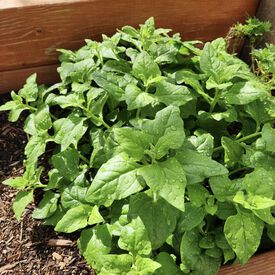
x=160, y=153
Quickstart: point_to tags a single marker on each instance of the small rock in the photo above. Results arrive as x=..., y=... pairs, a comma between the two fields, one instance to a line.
x=57, y=256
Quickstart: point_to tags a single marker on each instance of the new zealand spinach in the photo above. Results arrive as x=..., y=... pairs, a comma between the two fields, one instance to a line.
x=162, y=154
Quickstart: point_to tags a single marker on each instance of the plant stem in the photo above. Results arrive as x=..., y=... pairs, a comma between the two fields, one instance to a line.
x=138, y=113
x=214, y=102
x=220, y=148
x=238, y=170
x=249, y=137
x=84, y=159
x=98, y=119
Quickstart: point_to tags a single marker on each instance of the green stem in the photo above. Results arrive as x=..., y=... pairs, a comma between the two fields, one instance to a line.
x=238, y=170
x=220, y=148
x=215, y=100
x=138, y=113
x=84, y=159
x=98, y=119
x=249, y=137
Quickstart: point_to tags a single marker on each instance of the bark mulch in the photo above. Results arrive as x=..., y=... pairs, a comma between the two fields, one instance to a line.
x=29, y=247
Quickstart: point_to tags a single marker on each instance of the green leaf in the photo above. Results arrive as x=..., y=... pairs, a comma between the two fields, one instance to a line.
x=232, y=151
x=198, y=167
x=194, y=258
x=168, y=265
x=66, y=163
x=21, y=201
x=95, y=216
x=42, y=119
x=70, y=100
x=134, y=238
x=36, y=147
x=145, y=68
x=204, y=144
x=144, y=266
x=166, y=129
x=171, y=94
x=242, y=93
x=136, y=98
x=47, y=206
x=271, y=232
x=190, y=218
x=115, y=180
x=158, y=216
x=69, y=130
x=95, y=243
x=131, y=141
x=167, y=179
x=18, y=182
x=73, y=195
x=74, y=219
x=243, y=232
x=30, y=90
x=268, y=138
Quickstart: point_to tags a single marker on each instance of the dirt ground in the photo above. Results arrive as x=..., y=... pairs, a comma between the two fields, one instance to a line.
x=28, y=247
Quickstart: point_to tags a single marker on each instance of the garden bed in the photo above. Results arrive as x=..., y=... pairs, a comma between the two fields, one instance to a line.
x=22, y=247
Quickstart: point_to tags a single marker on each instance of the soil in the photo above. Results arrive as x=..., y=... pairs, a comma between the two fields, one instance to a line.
x=29, y=247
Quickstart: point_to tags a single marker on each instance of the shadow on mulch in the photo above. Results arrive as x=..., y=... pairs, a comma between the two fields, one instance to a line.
x=24, y=245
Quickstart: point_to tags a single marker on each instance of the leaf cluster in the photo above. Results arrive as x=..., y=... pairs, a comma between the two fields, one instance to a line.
x=162, y=154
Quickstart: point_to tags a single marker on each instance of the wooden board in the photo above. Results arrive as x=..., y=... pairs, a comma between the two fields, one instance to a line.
x=30, y=33
x=263, y=264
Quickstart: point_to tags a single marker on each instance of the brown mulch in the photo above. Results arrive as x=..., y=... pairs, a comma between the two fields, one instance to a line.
x=24, y=247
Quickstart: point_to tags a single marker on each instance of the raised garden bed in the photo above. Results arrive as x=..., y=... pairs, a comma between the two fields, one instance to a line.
x=43, y=61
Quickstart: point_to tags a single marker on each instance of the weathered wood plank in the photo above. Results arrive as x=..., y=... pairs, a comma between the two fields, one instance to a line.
x=29, y=35
x=15, y=79
x=262, y=264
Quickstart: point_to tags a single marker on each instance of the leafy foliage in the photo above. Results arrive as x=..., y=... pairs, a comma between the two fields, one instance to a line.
x=161, y=153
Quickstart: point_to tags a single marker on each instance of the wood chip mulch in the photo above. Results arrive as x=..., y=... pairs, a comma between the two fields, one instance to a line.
x=28, y=247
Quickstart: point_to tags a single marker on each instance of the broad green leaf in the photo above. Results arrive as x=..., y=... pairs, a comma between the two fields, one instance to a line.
x=243, y=232
x=66, y=163
x=95, y=243
x=55, y=217
x=116, y=264
x=204, y=144
x=70, y=100
x=190, y=218
x=136, y=98
x=47, y=206
x=115, y=180
x=21, y=201
x=74, y=219
x=197, y=194
x=268, y=139
x=168, y=265
x=36, y=147
x=167, y=179
x=223, y=188
x=198, y=167
x=253, y=202
x=134, y=238
x=131, y=141
x=145, y=68
x=166, y=129
x=144, y=266
x=95, y=216
x=171, y=94
x=69, y=130
x=194, y=258
x=30, y=90
x=157, y=215
x=73, y=195
x=271, y=232
x=42, y=119
x=18, y=182
x=242, y=93
x=232, y=151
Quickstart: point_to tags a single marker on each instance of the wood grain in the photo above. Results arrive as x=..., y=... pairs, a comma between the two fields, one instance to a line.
x=29, y=35
x=15, y=79
x=262, y=264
